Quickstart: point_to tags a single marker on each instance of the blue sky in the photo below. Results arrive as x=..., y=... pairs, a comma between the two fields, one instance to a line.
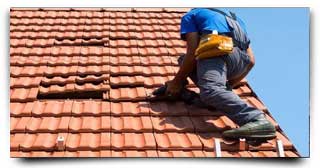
x=280, y=78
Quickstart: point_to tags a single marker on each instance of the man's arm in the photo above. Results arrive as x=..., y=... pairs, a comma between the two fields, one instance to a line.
x=188, y=64
x=235, y=82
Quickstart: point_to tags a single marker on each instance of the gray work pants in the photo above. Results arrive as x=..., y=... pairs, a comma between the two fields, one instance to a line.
x=211, y=76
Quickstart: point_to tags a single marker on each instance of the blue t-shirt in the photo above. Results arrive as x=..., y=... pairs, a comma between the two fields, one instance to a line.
x=204, y=20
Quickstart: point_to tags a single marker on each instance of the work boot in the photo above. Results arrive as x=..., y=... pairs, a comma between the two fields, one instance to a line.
x=259, y=128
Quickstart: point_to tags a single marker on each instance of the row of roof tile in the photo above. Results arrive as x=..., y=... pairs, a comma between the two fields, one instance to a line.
x=92, y=14
x=50, y=71
x=98, y=21
x=95, y=51
x=134, y=124
x=92, y=60
x=150, y=153
x=142, y=35
x=55, y=108
x=120, y=94
x=132, y=141
x=86, y=29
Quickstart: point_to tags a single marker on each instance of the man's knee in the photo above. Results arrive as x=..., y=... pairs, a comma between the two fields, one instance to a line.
x=209, y=95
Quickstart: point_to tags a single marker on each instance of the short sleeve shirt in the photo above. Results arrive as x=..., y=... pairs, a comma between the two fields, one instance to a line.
x=204, y=20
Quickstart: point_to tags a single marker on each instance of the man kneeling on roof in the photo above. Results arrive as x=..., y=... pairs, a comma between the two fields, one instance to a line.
x=218, y=55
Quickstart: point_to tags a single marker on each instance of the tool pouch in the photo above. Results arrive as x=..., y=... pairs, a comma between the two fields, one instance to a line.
x=213, y=45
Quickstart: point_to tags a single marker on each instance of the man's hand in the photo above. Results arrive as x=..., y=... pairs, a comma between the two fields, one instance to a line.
x=173, y=88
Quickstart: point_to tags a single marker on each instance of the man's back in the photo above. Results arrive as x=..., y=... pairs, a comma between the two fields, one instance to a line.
x=205, y=21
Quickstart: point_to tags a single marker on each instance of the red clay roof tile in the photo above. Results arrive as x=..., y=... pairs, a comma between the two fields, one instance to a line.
x=172, y=124
x=20, y=109
x=156, y=60
x=88, y=141
x=89, y=124
x=131, y=153
x=152, y=81
x=123, y=51
x=168, y=109
x=126, y=70
x=51, y=108
x=125, y=60
x=155, y=81
x=90, y=108
x=25, y=82
x=212, y=123
x=242, y=91
x=24, y=94
x=137, y=141
x=127, y=94
x=127, y=80
x=131, y=124
x=181, y=153
x=159, y=51
x=197, y=111
x=130, y=108
x=177, y=141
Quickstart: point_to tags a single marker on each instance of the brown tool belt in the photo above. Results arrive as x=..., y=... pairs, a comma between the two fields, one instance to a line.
x=213, y=45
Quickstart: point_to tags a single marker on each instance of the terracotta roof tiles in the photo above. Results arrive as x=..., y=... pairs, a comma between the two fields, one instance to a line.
x=79, y=78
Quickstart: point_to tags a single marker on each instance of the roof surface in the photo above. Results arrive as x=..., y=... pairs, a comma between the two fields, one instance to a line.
x=79, y=80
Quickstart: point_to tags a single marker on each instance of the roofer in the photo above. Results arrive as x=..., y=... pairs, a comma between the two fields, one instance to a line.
x=213, y=73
